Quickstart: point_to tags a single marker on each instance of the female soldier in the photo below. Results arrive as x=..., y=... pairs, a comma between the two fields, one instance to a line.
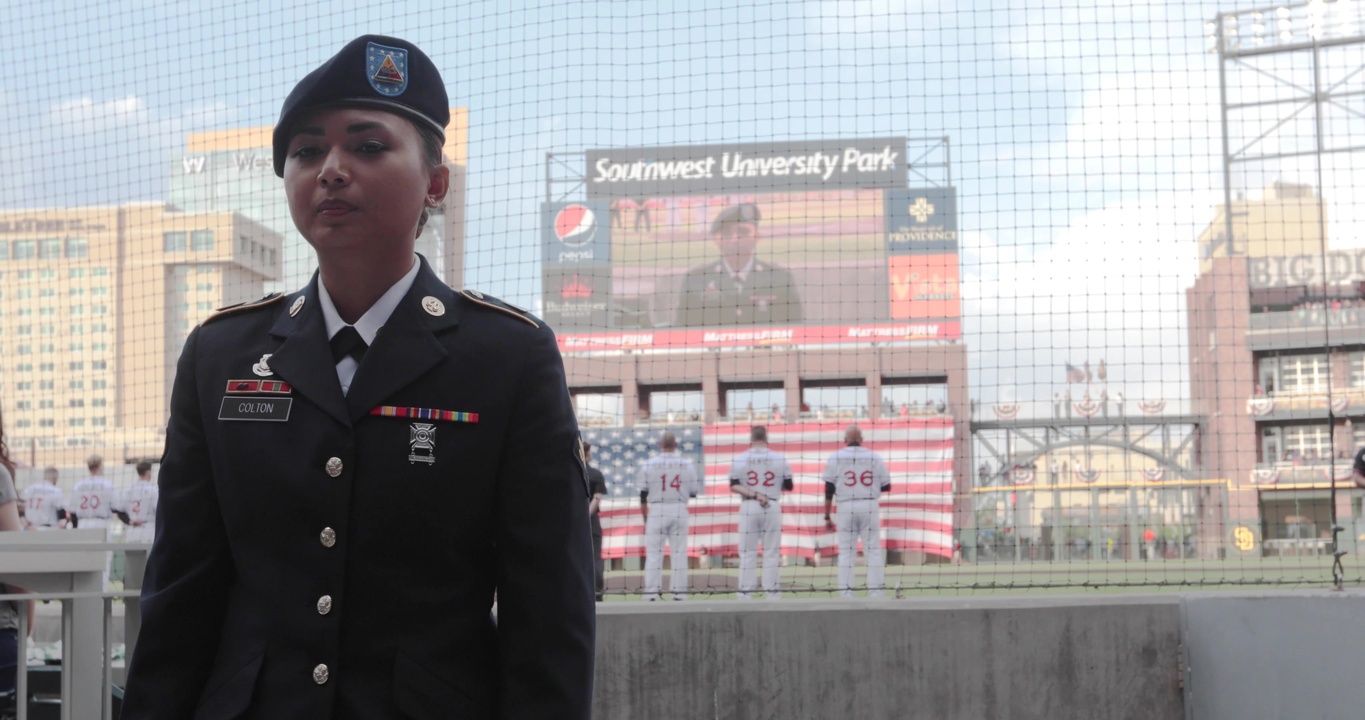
x=297, y=570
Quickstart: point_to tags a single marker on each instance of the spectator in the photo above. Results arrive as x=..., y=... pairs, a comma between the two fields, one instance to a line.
x=9, y=611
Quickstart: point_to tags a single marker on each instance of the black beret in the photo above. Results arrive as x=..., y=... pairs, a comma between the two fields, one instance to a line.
x=371, y=71
x=741, y=213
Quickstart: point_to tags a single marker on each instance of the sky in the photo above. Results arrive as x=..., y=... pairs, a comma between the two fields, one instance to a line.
x=1085, y=135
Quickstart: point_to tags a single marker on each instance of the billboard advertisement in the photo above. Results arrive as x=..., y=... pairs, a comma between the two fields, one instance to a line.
x=746, y=168
x=814, y=258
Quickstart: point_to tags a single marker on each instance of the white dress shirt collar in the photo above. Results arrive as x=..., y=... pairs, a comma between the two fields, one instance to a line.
x=368, y=325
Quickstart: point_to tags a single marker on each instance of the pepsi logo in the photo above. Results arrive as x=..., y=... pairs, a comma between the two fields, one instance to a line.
x=575, y=225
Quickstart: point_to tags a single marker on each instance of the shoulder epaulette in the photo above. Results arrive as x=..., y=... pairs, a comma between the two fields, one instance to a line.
x=500, y=305
x=239, y=307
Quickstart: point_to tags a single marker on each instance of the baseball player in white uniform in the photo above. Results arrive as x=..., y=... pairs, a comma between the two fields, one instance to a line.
x=43, y=503
x=666, y=481
x=137, y=506
x=759, y=476
x=857, y=477
x=92, y=500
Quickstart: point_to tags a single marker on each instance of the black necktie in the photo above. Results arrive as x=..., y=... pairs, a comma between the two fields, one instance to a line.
x=347, y=342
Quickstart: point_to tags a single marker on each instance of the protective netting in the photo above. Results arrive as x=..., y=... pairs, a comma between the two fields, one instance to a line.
x=1087, y=278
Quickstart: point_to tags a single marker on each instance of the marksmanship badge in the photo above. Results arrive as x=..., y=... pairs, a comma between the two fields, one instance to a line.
x=422, y=443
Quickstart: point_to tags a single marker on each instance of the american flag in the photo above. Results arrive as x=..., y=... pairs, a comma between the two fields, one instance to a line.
x=619, y=453
x=917, y=515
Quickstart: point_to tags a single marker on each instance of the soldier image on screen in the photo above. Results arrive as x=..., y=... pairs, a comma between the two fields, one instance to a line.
x=738, y=288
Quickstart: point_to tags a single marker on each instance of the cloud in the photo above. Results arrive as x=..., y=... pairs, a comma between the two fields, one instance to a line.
x=1110, y=286
x=99, y=151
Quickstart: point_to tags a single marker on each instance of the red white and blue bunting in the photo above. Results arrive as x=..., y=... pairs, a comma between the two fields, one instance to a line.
x=1022, y=476
x=1265, y=476
x=1088, y=476
x=1151, y=407
x=1006, y=411
x=1087, y=407
x=1337, y=403
x=1156, y=474
x=1261, y=406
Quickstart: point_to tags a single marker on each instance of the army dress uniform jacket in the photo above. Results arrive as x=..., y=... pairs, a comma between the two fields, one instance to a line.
x=334, y=563
x=712, y=296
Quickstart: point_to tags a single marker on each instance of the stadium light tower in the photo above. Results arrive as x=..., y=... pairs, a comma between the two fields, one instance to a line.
x=1283, y=70
x=1291, y=81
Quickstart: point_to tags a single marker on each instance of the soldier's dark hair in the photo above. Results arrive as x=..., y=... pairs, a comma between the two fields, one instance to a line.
x=758, y=433
x=432, y=145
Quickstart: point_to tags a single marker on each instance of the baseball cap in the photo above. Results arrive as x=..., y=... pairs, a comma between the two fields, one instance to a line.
x=376, y=71
x=743, y=212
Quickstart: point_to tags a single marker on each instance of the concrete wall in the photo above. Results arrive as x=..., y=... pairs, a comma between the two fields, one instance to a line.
x=1041, y=657
x=1293, y=654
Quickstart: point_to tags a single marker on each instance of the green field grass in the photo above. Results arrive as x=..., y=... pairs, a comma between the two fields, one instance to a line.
x=1033, y=578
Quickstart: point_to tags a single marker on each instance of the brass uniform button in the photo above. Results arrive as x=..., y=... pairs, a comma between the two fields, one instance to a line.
x=320, y=674
x=334, y=467
x=328, y=537
x=324, y=604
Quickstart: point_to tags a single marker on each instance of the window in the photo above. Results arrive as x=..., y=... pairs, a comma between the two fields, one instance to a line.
x=75, y=347
x=204, y=306
x=47, y=367
x=1294, y=373
x=173, y=242
x=47, y=329
x=23, y=330
x=23, y=405
x=46, y=385
x=45, y=422
x=99, y=309
x=99, y=402
x=76, y=366
x=77, y=309
x=97, y=421
x=99, y=347
x=77, y=248
x=50, y=249
x=4, y=250
x=76, y=330
x=204, y=287
x=47, y=292
x=25, y=385
x=47, y=311
x=23, y=293
x=25, y=249
x=99, y=385
x=23, y=350
x=45, y=404
x=23, y=423
x=76, y=385
x=99, y=291
x=76, y=292
x=201, y=241
x=76, y=422
x=47, y=348
x=242, y=245
x=76, y=272
x=99, y=272
x=24, y=275
x=23, y=367
x=99, y=365
x=75, y=402
x=47, y=274
x=271, y=255
x=99, y=327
